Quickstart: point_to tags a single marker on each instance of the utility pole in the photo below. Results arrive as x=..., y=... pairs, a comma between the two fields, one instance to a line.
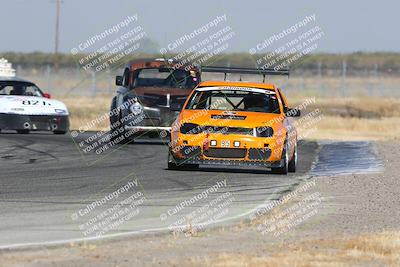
x=57, y=37
x=344, y=74
x=320, y=76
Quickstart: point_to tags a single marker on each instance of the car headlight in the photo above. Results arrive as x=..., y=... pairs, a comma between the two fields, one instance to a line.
x=60, y=111
x=136, y=108
x=264, y=131
x=190, y=128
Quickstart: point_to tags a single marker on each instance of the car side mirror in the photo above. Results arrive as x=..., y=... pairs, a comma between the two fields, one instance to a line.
x=118, y=80
x=47, y=95
x=293, y=112
x=175, y=106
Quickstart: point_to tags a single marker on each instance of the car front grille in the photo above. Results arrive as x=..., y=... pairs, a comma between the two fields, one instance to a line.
x=259, y=154
x=228, y=130
x=233, y=153
x=192, y=152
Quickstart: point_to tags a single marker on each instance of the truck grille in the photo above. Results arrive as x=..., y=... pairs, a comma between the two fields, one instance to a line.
x=156, y=100
x=164, y=100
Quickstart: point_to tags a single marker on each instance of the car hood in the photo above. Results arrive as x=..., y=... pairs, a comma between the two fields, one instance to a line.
x=230, y=119
x=31, y=105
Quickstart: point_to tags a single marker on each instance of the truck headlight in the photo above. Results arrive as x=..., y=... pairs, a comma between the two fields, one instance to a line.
x=136, y=108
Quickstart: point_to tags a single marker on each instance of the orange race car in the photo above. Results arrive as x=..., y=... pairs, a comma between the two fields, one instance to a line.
x=235, y=124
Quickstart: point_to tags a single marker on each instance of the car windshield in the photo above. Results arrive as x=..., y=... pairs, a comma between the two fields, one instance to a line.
x=19, y=88
x=178, y=78
x=254, y=100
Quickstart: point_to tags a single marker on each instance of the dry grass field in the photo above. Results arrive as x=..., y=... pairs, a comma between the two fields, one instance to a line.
x=85, y=109
x=355, y=118
x=380, y=249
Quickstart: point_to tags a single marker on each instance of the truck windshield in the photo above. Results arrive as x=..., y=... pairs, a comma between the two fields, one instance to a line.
x=178, y=78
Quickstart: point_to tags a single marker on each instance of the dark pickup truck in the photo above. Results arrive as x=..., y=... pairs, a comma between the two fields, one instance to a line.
x=149, y=97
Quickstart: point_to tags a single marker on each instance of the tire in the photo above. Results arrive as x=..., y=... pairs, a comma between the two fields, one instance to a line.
x=113, y=117
x=123, y=140
x=285, y=168
x=23, y=131
x=173, y=166
x=59, y=132
x=129, y=140
x=293, y=162
x=183, y=166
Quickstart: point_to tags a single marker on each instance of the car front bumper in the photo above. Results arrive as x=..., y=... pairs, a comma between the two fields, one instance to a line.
x=230, y=162
x=250, y=151
x=34, y=122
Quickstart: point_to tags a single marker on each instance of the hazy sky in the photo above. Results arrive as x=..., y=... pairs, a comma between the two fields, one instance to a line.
x=352, y=25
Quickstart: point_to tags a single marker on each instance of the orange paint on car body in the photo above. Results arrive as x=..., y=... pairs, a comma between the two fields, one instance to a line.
x=240, y=136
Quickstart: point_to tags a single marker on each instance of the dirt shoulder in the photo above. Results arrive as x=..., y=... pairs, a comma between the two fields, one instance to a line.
x=355, y=222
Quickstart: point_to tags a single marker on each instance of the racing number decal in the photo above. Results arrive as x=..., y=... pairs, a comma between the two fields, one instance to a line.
x=35, y=103
x=225, y=143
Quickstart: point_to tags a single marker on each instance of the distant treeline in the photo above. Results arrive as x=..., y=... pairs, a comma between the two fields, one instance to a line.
x=382, y=62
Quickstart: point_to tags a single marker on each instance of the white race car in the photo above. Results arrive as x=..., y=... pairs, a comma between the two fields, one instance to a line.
x=24, y=107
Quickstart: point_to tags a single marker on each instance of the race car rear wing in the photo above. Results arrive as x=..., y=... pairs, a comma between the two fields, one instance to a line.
x=263, y=72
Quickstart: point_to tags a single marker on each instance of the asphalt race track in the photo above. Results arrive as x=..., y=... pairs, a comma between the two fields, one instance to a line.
x=46, y=184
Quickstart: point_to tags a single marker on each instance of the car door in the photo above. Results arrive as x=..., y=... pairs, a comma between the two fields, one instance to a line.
x=288, y=124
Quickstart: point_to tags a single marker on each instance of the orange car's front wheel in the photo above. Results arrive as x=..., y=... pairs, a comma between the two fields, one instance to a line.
x=292, y=166
x=284, y=169
x=175, y=165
